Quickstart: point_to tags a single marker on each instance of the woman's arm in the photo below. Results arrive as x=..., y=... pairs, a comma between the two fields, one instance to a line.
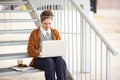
x=32, y=48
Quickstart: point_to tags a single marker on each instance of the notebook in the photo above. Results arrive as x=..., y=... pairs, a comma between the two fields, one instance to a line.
x=53, y=48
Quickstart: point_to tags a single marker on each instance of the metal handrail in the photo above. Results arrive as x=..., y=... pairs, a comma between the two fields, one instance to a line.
x=95, y=28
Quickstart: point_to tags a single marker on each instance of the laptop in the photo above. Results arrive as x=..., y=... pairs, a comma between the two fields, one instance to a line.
x=53, y=48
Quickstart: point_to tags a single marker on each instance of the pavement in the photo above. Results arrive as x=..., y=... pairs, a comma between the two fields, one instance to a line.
x=108, y=21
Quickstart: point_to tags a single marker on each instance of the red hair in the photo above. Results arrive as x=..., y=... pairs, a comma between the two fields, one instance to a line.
x=46, y=15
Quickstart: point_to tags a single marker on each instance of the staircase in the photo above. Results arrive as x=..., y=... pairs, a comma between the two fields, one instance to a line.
x=9, y=28
x=11, y=20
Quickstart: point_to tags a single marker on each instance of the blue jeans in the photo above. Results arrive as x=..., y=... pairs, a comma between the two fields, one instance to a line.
x=50, y=66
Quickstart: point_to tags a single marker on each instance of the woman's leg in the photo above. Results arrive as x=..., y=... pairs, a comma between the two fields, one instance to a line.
x=60, y=68
x=48, y=65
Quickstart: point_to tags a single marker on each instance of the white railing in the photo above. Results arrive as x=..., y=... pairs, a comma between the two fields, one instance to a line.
x=88, y=55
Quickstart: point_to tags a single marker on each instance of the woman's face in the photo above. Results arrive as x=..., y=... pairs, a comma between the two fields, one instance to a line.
x=46, y=24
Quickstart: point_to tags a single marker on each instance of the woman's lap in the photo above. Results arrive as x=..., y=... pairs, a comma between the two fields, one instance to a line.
x=42, y=63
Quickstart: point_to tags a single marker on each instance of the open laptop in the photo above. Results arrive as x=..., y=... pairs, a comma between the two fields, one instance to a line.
x=53, y=48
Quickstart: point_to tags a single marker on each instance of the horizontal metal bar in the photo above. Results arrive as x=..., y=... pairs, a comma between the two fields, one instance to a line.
x=15, y=11
x=17, y=20
x=13, y=2
x=15, y=31
x=11, y=43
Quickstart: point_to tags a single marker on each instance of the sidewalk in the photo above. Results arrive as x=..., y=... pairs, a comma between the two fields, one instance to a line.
x=109, y=23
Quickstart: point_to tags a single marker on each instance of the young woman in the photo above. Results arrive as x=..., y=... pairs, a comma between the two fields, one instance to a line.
x=50, y=65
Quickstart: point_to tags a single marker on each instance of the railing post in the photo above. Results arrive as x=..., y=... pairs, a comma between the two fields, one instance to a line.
x=85, y=43
x=108, y=65
x=82, y=46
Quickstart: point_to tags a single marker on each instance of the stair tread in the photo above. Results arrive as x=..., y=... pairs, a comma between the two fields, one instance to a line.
x=8, y=71
x=13, y=2
x=10, y=43
x=15, y=11
x=15, y=31
x=13, y=55
x=17, y=20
